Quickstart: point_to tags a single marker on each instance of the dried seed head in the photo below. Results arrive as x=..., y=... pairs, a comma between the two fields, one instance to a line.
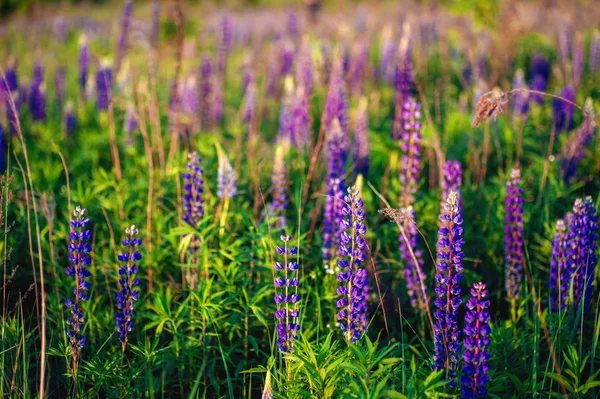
x=399, y=215
x=491, y=104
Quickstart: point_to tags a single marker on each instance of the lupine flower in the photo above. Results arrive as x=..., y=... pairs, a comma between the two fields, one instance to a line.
x=452, y=179
x=293, y=25
x=83, y=63
x=286, y=297
x=205, y=90
x=361, y=138
x=304, y=68
x=301, y=124
x=60, y=88
x=286, y=119
x=155, y=28
x=336, y=152
x=225, y=40
x=189, y=102
x=409, y=179
x=449, y=268
x=573, y=151
x=513, y=236
x=128, y=284
x=521, y=99
x=359, y=67
x=193, y=190
x=476, y=355
x=79, y=250
x=226, y=182
x=558, y=266
x=70, y=120
x=122, y=43
x=249, y=104
x=37, y=102
x=577, y=60
x=387, y=50
x=540, y=73
x=594, y=53
x=327, y=62
x=279, y=186
x=9, y=82
x=403, y=80
x=61, y=30
x=564, y=42
x=286, y=58
x=104, y=78
x=336, y=105
x=354, y=283
x=581, y=255
x=562, y=111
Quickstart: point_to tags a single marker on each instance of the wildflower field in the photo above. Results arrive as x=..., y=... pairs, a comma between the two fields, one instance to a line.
x=299, y=199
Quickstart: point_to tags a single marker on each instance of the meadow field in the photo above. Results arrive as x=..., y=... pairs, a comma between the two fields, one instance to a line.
x=299, y=199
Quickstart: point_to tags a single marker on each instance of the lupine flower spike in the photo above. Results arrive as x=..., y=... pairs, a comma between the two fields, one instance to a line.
x=354, y=283
x=128, y=284
x=558, y=266
x=449, y=273
x=104, y=78
x=476, y=355
x=287, y=299
x=194, y=211
x=361, y=138
x=226, y=186
x=279, y=181
x=79, y=257
x=513, y=239
x=83, y=64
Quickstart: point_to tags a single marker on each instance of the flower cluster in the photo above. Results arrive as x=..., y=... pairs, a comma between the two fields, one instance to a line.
x=452, y=179
x=558, y=265
x=70, y=120
x=304, y=68
x=279, y=181
x=336, y=105
x=286, y=297
x=449, y=268
x=205, y=90
x=79, y=250
x=540, y=73
x=83, y=63
x=192, y=187
x=225, y=41
x=354, y=283
x=361, y=138
x=476, y=355
x=226, y=180
x=513, y=236
x=578, y=283
x=403, y=81
x=37, y=94
x=104, y=78
x=128, y=282
x=300, y=119
x=562, y=111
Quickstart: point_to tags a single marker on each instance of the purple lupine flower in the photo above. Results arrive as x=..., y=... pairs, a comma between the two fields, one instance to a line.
x=83, y=63
x=70, y=120
x=409, y=179
x=387, y=50
x=248, y=110
x=361, y=138
x=540, y=73
x=452, y=179
x=79, y=257
x=573, y=151
x=128, y=284
x=104, y=78
x=304, y=68
x=216, y=105
x=286, y=119
x=301, y=123
x=354, y=283
x=293, y=25
x=336, y=105
x=10, y=81
x=155, y=27
x=403, y=80
x=37, y=102
x=594, y=53
x=225, y=40
x=38, y=74
x=226, y=181
x=189, y=102
x=130, y=123
x=476, y=355
x=279, y=184
x=327, y=63
x=449, y=268
x=193, y=190
x=359, y=68
x=60, y=88
x=513, y=236
x=286, y=58
x=562, y=111
x=336, y=153
x=578, y=60
x=122, y=42
x=61, y=29
x=272, y=79
x=578, y=284
x=521, y=99
x=287, y=298
x=558, y=266
x=565, y=35
x=205, y=90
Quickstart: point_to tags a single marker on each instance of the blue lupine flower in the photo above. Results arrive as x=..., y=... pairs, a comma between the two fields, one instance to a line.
x=558, y=266
x=104, y=78
x=513, y=236
x=193, y=190
x=287, y=298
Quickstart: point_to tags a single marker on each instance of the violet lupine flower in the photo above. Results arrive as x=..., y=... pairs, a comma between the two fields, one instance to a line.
x=205, y=90
x=452, y=179
x=279, y=182
x=387, y=50
x=79, y=250
x=104, y=78
x=226, y=181
x=578, y=284
x=225, y=40
x=60, y=88
x=286, y=119
x=594, y=53
x=155, y=27
x=513, y=236
x=562, y=111
x=577, y=60
x=449, y=268
x=403, y=80
x=193, y=190
x=189, y=102
x=336, y=152
x=573, y=151
x=286, y=58
x=558, y=266
x=248, y=110
x=304, y=68
x=122, y=42
x=293, y=25
x=354, y=283
x=361, y=138
x=336, y=105
x=83, y=63
x=476, y=355
x=128, y=284
x=301, y=124
x=287, y=298
x=60, y=28
x=521, y=99
x=359, y=68
x=70, y=120
x=10, y=81
x=37, y=102
x=540, y=73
